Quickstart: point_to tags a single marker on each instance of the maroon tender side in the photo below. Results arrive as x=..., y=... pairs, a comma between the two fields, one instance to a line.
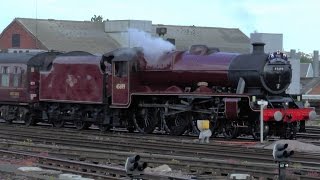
x=73, y=79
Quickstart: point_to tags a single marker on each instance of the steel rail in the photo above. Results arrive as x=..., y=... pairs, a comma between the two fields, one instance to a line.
x=84, y=168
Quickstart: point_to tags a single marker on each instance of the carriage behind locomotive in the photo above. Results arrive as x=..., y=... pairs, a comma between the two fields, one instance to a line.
x=125, y=89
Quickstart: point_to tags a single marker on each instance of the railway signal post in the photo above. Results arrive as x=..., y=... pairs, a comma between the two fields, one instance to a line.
x=281, y=155
x=262, y=104
x=134, y=168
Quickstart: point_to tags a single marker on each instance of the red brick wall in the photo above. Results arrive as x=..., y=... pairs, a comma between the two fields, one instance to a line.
x=27, y=40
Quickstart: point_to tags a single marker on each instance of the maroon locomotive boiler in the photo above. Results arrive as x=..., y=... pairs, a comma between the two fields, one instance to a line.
x=125, y=88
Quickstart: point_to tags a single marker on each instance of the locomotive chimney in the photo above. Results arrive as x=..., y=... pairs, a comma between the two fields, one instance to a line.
x=258, y=48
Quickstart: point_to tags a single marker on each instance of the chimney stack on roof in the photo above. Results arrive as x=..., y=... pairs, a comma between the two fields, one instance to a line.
x=258, y=48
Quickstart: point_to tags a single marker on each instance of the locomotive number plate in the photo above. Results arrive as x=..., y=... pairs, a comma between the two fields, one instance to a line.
x=14, y=94
x=120, y=86
x=276, y=68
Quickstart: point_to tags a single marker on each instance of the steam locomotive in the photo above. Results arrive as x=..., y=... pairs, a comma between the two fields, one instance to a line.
x=125, y=88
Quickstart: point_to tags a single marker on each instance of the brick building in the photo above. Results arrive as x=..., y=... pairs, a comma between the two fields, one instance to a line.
x=17, y=36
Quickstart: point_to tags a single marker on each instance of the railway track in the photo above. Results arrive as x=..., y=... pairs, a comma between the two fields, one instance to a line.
x=311, y=136
x=312, y=132
x=313, y=129
x=86, y=169
x=179, y=153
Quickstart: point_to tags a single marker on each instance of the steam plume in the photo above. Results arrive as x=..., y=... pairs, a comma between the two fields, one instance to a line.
x=153, y=47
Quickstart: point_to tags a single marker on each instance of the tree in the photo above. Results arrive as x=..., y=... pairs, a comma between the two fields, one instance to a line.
x=96, y=18
x=305, y=59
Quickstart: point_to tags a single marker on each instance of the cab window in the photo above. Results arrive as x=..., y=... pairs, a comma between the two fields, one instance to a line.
x=120, y=69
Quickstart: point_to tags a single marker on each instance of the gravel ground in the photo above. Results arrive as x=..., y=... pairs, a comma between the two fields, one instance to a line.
x=296, y=146
x=11, y=172
x=313, y=122
x=12, y=176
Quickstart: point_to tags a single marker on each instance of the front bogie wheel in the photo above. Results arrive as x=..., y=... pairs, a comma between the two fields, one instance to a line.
x=290, y=131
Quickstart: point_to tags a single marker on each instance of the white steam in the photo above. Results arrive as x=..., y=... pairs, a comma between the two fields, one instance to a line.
x=153, y=47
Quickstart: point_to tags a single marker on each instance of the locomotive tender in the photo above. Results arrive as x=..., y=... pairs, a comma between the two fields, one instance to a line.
x=123, y=88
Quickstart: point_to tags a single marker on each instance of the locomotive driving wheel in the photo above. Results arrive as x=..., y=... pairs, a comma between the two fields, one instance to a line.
x=177, y=124
x=194, y=129
x=145, y=119
x=214, y=126
x=230, y=129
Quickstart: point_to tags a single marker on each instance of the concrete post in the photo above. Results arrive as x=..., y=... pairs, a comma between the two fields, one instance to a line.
x=292, y=53
x=315, y=63
x=294, y=87
x=261, y=123
x=262, y=104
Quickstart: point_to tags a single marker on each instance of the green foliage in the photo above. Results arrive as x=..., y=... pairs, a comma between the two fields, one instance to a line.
x=304, y=59
x=96, y=18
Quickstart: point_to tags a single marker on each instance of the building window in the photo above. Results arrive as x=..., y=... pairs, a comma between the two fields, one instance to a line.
x=15, y=40
x=16, y=76
x=5, y=76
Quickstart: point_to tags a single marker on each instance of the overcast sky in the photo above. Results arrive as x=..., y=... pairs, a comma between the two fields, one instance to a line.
x=298, y=20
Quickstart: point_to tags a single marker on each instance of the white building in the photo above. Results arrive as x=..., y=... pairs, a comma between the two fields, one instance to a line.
x=274, y=42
